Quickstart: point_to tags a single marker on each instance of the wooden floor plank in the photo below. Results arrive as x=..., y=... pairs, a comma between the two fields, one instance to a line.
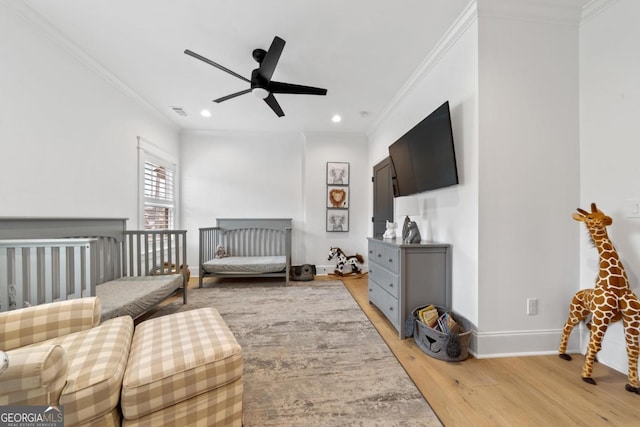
x=523, y=391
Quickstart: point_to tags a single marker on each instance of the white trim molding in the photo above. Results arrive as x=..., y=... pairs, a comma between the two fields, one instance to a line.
x=468, y=16
x=26, y=13
x=521, y=343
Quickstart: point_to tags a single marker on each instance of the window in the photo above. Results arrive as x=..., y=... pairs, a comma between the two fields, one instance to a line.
x=158, y=190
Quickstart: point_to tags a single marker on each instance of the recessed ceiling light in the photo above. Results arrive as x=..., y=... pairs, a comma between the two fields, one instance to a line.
x=336, y=118
x=205, y=113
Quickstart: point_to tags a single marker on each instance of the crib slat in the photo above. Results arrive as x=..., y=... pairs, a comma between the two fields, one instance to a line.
x=19, y=280
x=4, y=280
x=39, y=271
x=48, y=275
x=64, y=293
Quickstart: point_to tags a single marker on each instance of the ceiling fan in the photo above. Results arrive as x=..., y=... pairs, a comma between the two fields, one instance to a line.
x=261, y=84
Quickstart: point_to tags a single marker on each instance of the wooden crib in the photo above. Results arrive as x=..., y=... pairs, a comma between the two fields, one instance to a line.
x=253, y=247
x=50, y=259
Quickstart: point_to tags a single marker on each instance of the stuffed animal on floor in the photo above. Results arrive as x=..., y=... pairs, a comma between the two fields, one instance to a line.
x=351, y=260
x=609, y=301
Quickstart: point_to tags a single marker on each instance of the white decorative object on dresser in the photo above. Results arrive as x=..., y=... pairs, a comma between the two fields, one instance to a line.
x=405, y=276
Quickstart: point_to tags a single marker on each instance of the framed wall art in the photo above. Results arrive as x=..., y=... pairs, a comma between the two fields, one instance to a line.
x=337, y=173
x=337, y=220
x=337, y=197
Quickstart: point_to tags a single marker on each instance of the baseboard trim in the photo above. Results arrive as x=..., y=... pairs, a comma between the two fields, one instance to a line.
x=520, y=343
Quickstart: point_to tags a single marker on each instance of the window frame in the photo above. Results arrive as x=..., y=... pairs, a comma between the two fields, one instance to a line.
x=148, y=152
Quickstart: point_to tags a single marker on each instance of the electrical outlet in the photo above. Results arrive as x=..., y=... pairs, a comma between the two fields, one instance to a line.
x=532, y=306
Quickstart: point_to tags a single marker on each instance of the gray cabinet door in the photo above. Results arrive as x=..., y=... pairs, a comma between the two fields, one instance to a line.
x=382, y=196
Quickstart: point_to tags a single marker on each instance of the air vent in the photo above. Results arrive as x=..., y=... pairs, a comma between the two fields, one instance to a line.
x=179, y=111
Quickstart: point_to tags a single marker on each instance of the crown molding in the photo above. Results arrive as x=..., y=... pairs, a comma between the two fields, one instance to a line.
x=27, y=14
x=594, y=8
x=468, y=16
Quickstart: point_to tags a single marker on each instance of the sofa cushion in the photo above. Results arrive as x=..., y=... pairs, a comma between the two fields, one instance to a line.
x=97, y=360
x=176, y=357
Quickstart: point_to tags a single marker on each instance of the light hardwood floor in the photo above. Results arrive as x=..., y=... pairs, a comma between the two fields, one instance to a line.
x=512, y=392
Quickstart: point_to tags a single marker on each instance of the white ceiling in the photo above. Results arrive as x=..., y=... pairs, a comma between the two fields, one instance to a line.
x=362, y=51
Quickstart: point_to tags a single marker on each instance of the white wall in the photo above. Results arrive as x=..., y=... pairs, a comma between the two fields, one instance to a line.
x=511, y=77
x=528, y=177
x=277, y=175
x=449, y=215
x=321, y=148
x=68, y=138
x=609, y=111
x=244, y=175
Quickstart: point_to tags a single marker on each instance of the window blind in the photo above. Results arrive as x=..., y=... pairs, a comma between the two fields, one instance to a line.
x=159, y=196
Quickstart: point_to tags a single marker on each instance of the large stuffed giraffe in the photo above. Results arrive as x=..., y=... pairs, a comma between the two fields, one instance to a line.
x=610, y=301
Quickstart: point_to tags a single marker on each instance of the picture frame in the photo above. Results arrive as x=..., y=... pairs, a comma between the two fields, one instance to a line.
x=337, y=173
x=337, y=220
x=337, y=197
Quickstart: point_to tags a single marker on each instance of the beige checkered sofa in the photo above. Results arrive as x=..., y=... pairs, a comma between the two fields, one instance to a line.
x=181, y=369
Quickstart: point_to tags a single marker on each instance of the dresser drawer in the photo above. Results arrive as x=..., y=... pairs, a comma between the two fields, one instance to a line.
x=386, y=303
x=385, y=279
x=384, y=255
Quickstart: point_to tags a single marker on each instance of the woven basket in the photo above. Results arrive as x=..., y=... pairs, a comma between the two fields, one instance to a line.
x=448, y=347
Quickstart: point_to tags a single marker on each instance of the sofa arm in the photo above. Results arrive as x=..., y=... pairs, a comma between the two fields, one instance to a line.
x=34, y=376
x=42, y=322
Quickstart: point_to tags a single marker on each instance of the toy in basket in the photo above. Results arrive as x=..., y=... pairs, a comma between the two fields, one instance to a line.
x=442, y=333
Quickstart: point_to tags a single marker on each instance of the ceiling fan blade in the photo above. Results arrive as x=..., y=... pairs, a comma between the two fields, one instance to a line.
x=210, y=62
x=270, y=60
x=233, y=95
x=271, y=102
x=278, y=87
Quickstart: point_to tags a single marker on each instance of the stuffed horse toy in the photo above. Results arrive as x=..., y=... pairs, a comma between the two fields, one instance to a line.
x=609, y=301
x=351, y=260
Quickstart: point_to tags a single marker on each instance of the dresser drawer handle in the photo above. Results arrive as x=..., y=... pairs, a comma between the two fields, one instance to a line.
x=391, y=285
x=390, y=308
x=370, y=252
x=379, y=255
x=390, y=259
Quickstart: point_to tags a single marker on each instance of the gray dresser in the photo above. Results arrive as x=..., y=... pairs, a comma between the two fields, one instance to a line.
x=405, y=276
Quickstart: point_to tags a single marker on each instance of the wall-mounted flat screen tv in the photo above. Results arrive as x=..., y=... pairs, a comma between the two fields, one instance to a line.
x=424, y=158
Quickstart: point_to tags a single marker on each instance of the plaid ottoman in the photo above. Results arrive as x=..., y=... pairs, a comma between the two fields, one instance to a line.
x=183, y=369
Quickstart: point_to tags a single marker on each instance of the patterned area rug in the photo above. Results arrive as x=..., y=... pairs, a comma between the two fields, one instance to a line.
x=311, y=356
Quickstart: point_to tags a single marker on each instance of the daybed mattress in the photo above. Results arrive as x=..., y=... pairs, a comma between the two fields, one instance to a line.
x=246, y=265
x=133, y=296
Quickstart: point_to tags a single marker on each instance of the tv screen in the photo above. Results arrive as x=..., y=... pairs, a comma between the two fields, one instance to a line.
x=424, y=158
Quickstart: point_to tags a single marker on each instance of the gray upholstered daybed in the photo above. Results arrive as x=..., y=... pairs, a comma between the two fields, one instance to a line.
x=253, y=247
x=50, y=259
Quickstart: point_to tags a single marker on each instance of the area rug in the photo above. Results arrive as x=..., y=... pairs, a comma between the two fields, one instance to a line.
x=311, y=356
